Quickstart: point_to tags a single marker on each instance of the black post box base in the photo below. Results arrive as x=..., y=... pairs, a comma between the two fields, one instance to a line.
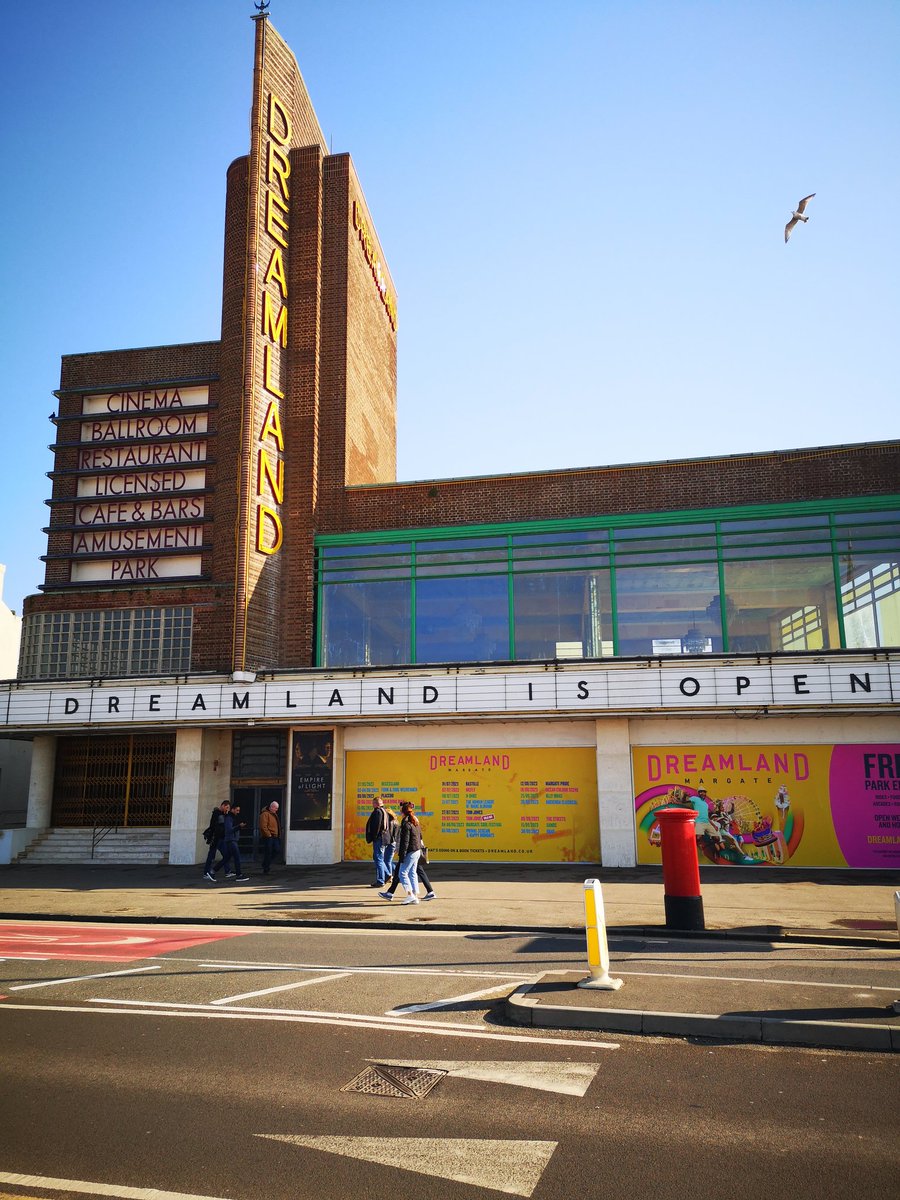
x=684, y=912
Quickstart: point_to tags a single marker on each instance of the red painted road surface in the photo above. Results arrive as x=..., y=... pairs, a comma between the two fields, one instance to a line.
x=117, y=943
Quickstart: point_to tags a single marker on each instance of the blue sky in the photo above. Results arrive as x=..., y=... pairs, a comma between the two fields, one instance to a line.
x=582, y=206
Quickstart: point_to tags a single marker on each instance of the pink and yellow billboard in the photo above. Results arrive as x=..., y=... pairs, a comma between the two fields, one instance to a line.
x=501, y=805
x=775, y=805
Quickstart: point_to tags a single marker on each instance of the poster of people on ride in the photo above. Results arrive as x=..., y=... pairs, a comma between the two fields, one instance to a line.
x=775, y=805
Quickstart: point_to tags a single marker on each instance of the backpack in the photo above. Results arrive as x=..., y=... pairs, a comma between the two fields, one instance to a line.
x=208, y=832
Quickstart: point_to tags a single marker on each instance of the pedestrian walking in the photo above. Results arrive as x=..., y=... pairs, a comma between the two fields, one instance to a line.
x=421, y=875
x=409, y=850
x=214, y=836
x=270, y=833
x=378, y=837
x=230, y=852
x=392, y=836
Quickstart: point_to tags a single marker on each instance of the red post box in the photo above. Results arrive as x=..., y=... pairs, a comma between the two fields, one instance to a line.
x=681, y=868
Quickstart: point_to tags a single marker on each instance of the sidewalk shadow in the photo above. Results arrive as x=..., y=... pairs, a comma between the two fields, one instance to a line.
x=852, y=1015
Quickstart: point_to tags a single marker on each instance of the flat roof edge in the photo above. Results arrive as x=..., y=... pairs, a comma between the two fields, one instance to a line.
x=784, y=455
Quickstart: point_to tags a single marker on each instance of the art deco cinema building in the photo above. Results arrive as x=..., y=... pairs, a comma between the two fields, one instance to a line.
x=241, y=601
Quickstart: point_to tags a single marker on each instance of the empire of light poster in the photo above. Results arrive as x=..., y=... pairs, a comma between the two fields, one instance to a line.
x=775, y=805
x=503, y=805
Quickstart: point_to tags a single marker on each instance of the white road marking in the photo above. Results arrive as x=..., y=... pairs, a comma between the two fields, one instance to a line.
x=22, y=987
x=69, y=940
x=284, y=987
x=264, y=966
x=751, y=979
x=96, y=1189
x=289, y=1015
x=513, y=1167
x=496, y=989
x=567, y=1078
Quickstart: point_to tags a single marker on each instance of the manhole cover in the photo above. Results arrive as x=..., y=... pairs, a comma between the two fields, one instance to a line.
x=405, y=1083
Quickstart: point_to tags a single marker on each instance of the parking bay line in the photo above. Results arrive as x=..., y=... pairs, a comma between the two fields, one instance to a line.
x=94, y=1189
x=22, y=987
x=284, y=987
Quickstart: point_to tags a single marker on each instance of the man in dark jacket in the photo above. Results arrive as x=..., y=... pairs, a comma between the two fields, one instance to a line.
x=378, y=837
x=215, y=836
x=230, y=852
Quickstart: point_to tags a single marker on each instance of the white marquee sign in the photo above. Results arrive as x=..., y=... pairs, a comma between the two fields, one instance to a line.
x=345, y=697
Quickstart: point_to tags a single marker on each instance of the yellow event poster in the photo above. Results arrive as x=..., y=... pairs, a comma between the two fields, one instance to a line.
x=488, y=805
x=775, y=805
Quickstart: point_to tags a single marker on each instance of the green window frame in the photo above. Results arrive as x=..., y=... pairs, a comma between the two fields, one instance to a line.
x=842, y=533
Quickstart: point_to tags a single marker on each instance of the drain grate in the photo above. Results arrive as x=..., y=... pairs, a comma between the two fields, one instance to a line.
x=403, y=1083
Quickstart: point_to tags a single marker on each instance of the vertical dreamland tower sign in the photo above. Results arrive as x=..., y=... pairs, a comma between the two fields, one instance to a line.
x=317, y=357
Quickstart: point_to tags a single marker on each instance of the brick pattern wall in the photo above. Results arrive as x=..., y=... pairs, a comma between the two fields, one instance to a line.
x=262, y=631
x=772, y=478
x=371, y=395
x=301, y=405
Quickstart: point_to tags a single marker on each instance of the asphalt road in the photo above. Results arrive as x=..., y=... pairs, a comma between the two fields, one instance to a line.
x=216, y=1067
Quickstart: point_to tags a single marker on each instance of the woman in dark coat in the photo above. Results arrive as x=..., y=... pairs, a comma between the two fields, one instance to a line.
x=409, y=850
x=421, y=873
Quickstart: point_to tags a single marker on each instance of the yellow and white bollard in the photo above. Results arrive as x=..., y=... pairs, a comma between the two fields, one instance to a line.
x=598, y=949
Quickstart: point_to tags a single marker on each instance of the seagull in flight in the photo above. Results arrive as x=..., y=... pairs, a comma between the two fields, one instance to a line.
x=797, y=215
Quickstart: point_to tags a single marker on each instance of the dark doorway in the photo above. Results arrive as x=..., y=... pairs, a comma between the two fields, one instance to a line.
x=253, y=798
x=258, y=776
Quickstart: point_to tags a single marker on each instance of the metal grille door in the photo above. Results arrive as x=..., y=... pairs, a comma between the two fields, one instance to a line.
x=124, y=781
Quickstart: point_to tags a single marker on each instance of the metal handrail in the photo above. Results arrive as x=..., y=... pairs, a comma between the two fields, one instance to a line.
x=100, y=831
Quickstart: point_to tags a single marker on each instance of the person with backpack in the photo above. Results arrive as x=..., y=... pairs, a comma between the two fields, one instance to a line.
x=214, y=836
x=378, y=837
x=230, y=851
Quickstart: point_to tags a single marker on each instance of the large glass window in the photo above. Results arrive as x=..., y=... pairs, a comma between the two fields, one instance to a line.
x=566, y=614
x=462, y=619
x=668, y=610
x=794, y=580
x=868, y=553
x=781, y=604
x=366, y=624
x=562, y=604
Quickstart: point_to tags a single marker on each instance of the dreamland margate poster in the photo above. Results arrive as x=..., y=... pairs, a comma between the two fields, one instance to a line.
x=535, y=804
x=776, y=805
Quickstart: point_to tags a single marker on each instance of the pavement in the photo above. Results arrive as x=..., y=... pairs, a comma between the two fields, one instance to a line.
x=849, y=916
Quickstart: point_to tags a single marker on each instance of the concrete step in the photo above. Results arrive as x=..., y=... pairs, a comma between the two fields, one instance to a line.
x=73, y=845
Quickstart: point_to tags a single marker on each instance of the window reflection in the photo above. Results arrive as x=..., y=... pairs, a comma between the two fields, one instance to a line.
x=567, y=614
x=871, y=603
x=462, y=620
x=668, y=610
x=365, y=624
x=783, y=604
x=634, y=590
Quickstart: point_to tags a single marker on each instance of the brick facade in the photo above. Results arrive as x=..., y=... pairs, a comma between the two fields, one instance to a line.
x=776, y=477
